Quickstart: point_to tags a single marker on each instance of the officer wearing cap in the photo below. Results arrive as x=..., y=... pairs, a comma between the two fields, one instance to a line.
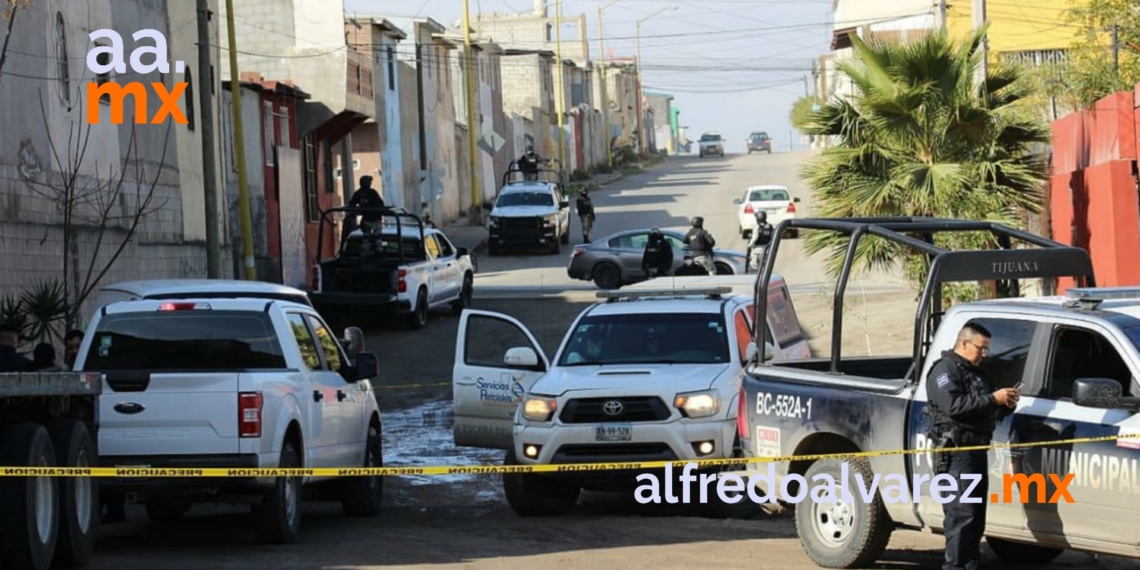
x=964, y=411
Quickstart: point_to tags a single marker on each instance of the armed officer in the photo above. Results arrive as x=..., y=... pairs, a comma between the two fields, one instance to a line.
x=964, y=411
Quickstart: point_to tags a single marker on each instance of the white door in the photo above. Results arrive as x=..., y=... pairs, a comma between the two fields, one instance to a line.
x=349, y=399
x=452, y=279
x=323, y=438
x=436, y=270
x=487, y=391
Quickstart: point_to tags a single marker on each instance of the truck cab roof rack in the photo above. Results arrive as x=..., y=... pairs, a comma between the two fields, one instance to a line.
x=388, y=214
x=1005, y=264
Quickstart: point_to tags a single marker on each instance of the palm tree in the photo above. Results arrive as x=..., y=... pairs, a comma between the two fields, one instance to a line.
x=919, y=138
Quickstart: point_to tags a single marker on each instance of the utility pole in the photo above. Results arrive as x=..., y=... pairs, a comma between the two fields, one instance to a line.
x=558, y=102
x=978, y=15
x=1115, y=49
x=605, y=89
x=209, y=168
x=640, y=83
x=807, y=88
x=239, y=150
x=469, y=71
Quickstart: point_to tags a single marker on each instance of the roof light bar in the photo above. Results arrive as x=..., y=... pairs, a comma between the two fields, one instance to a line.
x=665, y=293
x=1091, y=297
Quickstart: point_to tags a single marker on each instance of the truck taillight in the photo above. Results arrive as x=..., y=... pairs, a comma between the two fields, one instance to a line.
x=742, y=415
x=792, y=208
x=249, y=414
x=402, y=285
x=748, y=209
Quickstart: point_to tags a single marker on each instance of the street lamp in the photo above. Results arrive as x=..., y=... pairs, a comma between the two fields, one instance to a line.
x=640, y=82
x=605, y=88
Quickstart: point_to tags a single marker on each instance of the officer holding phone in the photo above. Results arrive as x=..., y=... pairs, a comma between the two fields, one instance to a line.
x=964, y=411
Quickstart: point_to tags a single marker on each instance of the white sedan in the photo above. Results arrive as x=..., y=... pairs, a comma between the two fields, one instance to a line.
x=776, y=200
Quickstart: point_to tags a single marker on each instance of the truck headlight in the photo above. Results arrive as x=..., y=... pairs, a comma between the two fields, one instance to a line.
x=551, y=220
x=494, y=222
x=539, y=408
x=698, y=404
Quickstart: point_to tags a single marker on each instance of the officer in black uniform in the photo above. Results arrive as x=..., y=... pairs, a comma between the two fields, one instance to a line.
x=964, y=411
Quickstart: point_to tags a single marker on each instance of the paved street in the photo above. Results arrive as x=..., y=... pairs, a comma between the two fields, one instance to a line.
x=463, y=521
x=667, y=195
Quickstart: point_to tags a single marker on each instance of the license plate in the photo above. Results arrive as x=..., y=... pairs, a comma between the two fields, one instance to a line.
x=614, y=432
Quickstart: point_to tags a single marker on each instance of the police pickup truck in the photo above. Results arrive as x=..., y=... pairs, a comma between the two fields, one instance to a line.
x=1077, y=355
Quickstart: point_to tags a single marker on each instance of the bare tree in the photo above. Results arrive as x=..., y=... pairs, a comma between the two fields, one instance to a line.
x=110, y=202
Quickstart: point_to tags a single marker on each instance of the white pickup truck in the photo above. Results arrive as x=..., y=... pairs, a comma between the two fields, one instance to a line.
x=399, y=267
x=233, y=383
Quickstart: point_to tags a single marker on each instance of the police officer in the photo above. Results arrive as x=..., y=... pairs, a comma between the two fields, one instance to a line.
x=701, y=244
x=658, y=257
x=964, y=411
x=761, y=238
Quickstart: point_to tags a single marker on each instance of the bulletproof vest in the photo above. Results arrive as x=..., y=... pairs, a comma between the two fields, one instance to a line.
x=764, y=234
x=699, y=243
x=940, y=421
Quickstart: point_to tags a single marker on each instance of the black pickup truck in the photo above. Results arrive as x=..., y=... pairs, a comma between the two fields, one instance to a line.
x=1077, y=355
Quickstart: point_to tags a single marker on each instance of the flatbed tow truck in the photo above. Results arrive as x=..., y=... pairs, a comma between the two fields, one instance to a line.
x=48, y=419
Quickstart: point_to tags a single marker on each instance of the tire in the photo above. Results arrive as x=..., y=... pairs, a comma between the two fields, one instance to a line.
x=566, y=236
x=464, y=301
x=855, y=543
x=745, y=508
x=419, y=317
x=1020, y=553
x=492, y=249
x=167, y=509
x=556, y=248
x=79, y=496
x=535, y=496
x=722, y=269
x=363, y=496
x=278, y=519
x=29, y=519
x=607, y=276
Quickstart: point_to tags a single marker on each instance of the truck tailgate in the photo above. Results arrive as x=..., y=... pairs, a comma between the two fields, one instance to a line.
x=181, y=413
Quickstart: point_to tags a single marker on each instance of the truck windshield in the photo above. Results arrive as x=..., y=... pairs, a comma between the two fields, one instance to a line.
x=525, y=199
x=192, y=340
x=710, y=138
x=658, y=338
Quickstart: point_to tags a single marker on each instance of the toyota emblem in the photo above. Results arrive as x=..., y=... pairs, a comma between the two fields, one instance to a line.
x=613, y=408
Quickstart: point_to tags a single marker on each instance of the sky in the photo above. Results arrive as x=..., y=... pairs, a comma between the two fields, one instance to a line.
x=733, y=66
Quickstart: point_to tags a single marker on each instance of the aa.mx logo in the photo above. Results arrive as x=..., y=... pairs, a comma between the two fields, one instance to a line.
x=116, y=93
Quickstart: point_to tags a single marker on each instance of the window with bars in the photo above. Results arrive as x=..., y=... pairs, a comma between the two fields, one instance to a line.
x=63, y=71
x=312, y=205
x=270, y=135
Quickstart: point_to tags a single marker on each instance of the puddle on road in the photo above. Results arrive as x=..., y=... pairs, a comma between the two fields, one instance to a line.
x=422, y=437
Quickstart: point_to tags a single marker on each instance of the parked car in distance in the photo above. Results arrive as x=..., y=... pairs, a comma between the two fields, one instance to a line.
x=615, y=260
x=774, y=199
x=711, y=143
x=759, y=142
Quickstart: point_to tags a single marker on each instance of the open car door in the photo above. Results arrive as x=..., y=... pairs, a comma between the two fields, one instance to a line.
x=497, y=360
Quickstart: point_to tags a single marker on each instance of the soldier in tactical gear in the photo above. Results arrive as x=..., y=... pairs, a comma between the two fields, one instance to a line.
x=964, y=411
x=658, y=257
x=701, y=244
x=761, y=238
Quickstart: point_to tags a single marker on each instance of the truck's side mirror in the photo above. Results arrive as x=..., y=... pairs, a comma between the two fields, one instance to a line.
x=353, y=341
x=367, y=366
x=1097, y=393
x=796, y=200
x=564, y=204
x=522, y=357
x=461, y=252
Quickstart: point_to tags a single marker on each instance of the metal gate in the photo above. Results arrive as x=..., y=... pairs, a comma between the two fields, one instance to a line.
x=294, y=265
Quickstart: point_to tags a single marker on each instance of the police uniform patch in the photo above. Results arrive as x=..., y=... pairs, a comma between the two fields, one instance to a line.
x=943, y=380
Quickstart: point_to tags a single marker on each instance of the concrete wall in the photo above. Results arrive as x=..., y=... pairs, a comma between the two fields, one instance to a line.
x=392, y=150
x=31, y=230
x=409, y=137
x=253, y=121
x=536, y=31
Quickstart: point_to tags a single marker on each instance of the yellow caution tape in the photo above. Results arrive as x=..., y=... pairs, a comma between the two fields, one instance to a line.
x=148, y=472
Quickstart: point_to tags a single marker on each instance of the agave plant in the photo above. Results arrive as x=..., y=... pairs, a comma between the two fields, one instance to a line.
x=45, y=304
x=920, y=137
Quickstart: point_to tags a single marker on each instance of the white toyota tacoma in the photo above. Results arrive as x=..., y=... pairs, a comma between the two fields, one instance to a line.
x=233, y=383
x=647, y=375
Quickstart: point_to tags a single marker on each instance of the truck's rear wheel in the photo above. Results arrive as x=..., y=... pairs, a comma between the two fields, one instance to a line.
x=278, y=519
x=846, y=532
x=29, y=517
x=464, y=300
x=362, y=496
x=419, y=316
x=79, y=496
x=1020, y=553
x=535, y=496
